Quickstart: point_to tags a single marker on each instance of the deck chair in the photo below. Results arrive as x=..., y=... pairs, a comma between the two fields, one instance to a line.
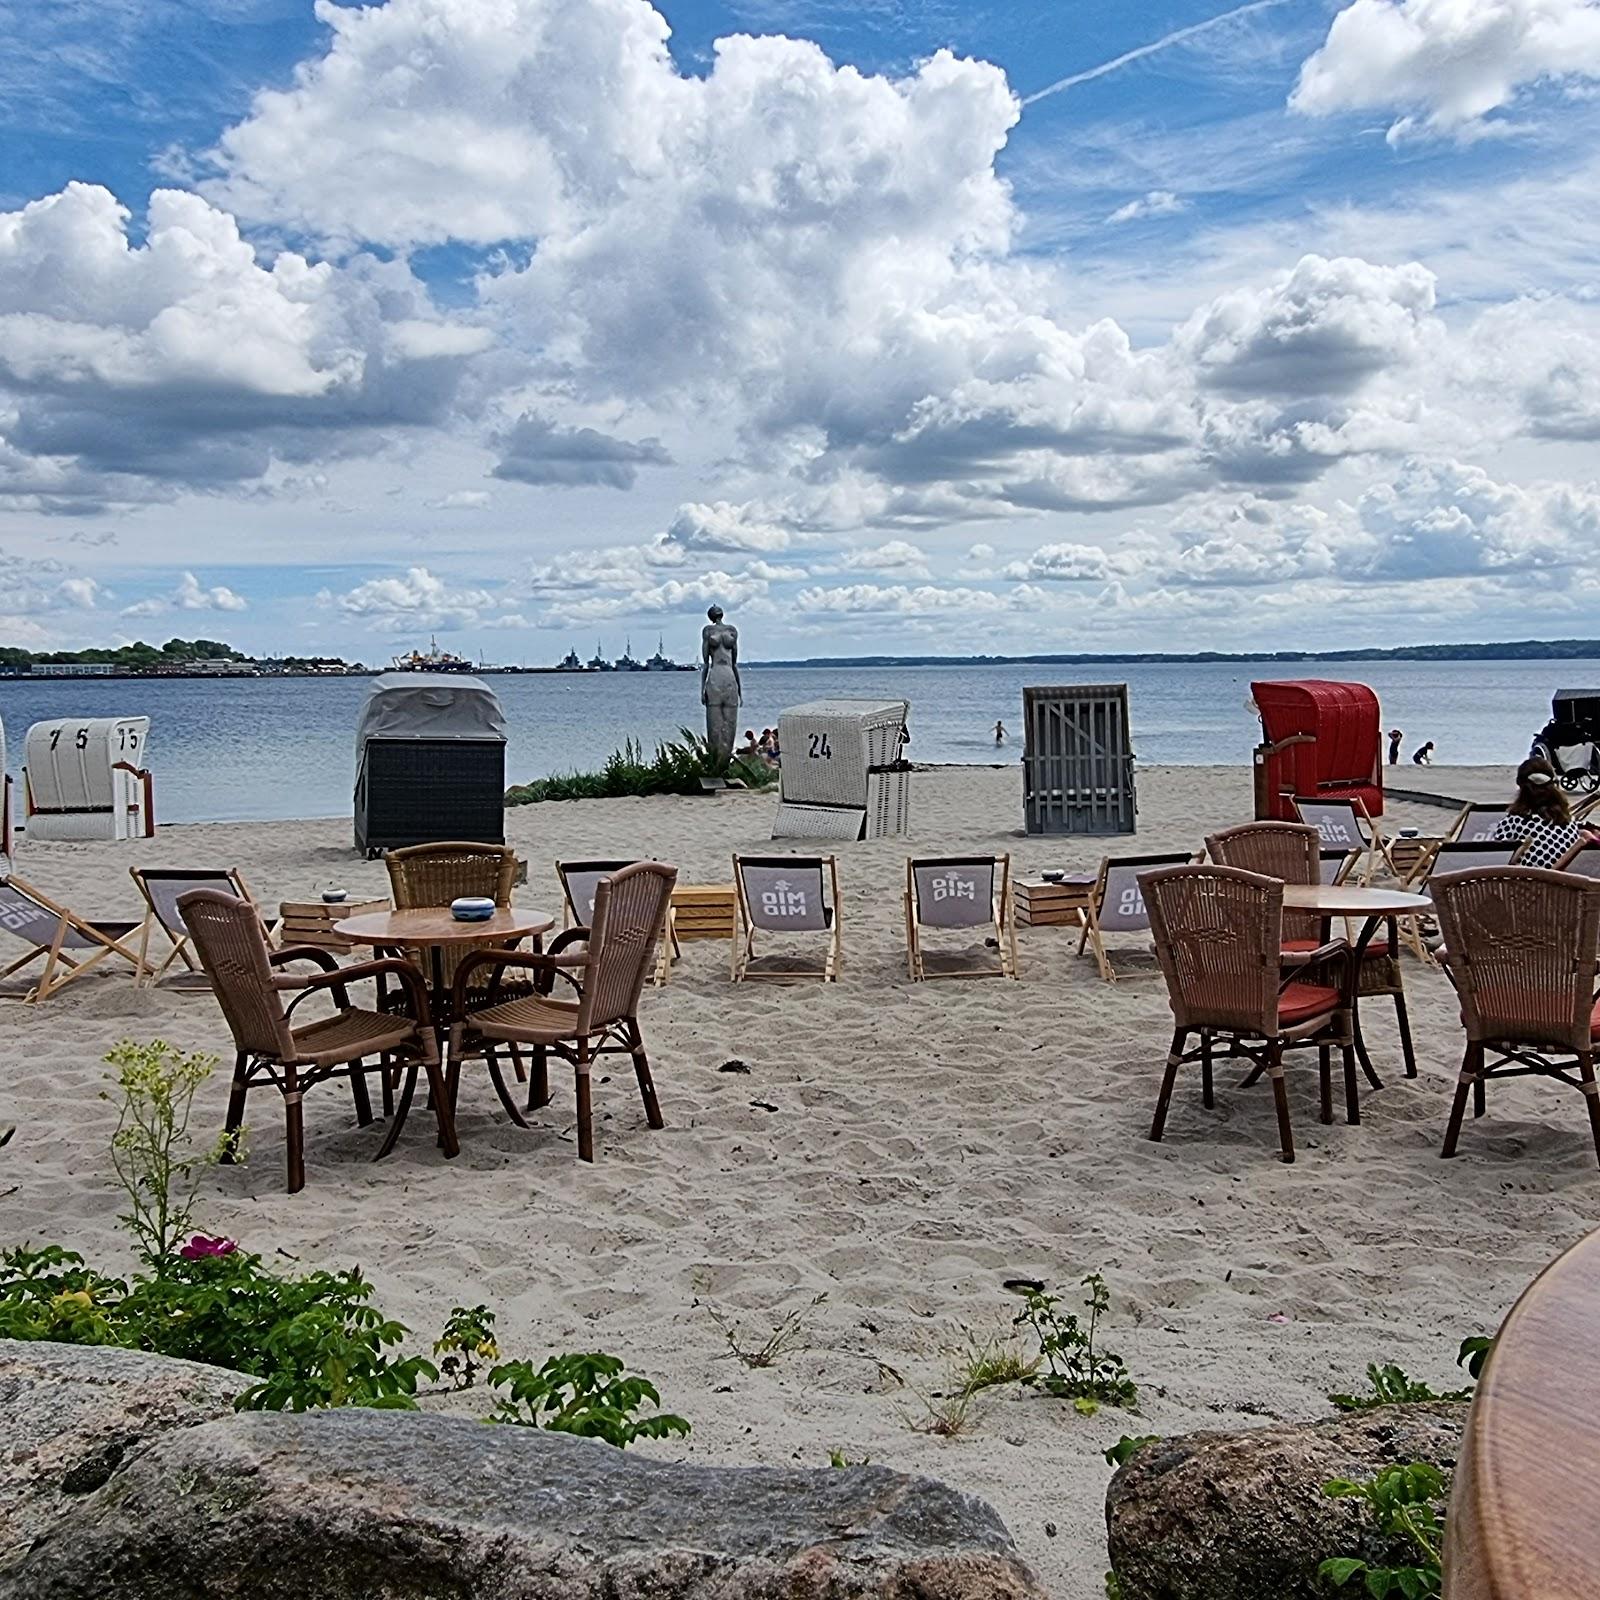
x=785, y=895
x=1452, y=856
x=1583, y=859
x=67, y=944
x=1335, y=866
x=1347, y=825
x=1119, y=905
x=580, y=880
x=960, y=892
x=1477, y=823
x=161, y=888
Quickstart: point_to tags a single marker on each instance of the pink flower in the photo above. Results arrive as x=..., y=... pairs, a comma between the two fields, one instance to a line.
x=203, y=1245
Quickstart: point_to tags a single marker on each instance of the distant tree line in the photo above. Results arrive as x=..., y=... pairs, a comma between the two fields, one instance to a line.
x=138, y=657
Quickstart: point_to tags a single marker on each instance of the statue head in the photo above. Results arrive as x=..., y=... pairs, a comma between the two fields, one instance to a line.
x=715, y=613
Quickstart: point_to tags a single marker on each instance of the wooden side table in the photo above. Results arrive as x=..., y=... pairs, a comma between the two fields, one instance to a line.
x=312, y=921
x=1042, y=904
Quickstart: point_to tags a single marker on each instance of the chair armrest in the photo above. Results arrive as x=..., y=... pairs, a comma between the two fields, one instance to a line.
x=547, y=964
x=1297, y=961
x=410, y=981
x=304, y=952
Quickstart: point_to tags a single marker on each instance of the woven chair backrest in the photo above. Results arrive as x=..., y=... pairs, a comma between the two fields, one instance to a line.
x=1521, y=944
x=630, y=912
x=435, y=874
x=1218, y=932
x=226, y=933
x=1288, y=851
x=955, y=892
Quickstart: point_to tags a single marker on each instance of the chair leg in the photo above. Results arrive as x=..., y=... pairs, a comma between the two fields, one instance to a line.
x=358, y=1092
x=1325, y=1082
x=388, y=1088
x=585, y=1104
x=516, y=1064
x=443, y=1108
x=1478, y=1098
x=1169, y=1078
x=1352, y=1090
x=1207, y=1097
x=407, y=1090
x=492, y=1059
x=647, y=1088
x=294, y=1135
x=1471, y=1067
x=539, y=1079
x=236, y=1093
x=1591, y=1096
x=1402, y=1021
x=1280, y=1099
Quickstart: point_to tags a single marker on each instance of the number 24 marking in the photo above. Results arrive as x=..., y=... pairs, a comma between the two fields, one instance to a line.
x=820, y=748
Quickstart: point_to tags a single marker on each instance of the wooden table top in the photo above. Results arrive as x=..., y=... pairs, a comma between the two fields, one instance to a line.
x=1352, y=900
x=431, y=925
x=1522, y=1509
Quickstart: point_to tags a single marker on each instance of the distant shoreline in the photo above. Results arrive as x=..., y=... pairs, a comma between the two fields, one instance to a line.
x=1509, y=650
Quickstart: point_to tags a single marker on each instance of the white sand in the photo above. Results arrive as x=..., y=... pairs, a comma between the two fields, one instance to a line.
x=928, y=1142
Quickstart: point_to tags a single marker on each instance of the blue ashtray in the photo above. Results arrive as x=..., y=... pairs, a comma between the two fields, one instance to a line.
x=472, y=908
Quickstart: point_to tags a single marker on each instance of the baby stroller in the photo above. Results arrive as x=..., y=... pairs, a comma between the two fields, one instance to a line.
x=1570, y=740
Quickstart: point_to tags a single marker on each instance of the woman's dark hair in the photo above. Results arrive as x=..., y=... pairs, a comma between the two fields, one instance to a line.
x=1538, y=793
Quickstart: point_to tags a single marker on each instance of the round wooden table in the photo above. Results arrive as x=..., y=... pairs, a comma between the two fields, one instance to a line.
x=1374, y=907
x=1522, y=1523
x=433, y=929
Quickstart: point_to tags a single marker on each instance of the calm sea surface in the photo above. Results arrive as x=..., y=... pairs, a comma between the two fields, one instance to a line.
x=285, y=747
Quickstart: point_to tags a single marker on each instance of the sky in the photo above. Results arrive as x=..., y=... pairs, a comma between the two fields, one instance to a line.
x=892, y=326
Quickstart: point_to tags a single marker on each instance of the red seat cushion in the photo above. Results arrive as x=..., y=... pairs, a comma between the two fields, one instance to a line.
x=1299, y=947
x=1299, y=1002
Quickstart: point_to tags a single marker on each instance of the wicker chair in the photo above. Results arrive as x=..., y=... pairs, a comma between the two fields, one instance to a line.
x=1218, y=935
x=1293, y=852
x=1520, y=947
x=630, y=913
x=226, y=933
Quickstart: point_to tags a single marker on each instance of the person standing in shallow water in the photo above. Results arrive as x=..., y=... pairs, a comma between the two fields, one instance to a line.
x=720, y=690
x=999, y=733
x=1395, y=736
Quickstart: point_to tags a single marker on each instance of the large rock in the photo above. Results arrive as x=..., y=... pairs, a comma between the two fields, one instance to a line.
x=388, y=1505
x=70, y=1415
x=1242, y=1516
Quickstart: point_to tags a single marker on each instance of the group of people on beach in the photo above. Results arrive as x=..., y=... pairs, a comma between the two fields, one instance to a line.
x=1422, y=756
x=763, y=749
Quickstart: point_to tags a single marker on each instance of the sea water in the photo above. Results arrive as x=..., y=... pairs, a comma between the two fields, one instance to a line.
x=244, y=748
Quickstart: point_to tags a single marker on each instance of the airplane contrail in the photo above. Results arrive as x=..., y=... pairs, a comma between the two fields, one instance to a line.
x=1149, y=49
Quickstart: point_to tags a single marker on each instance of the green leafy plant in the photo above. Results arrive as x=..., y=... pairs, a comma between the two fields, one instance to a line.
x=837, y=1458
x=150, y=1149
x=678, y=768
x=1404, y=1502
x=467, y=1339
x=1391, y=1386
x=592, y=1395
x=1128, y=1446
x=1076, y=1369
x=51, y=1294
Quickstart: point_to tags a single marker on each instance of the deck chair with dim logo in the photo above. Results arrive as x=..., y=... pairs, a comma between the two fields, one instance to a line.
x=1477, y=823
x=785, y=895
x=1118, y=907
x=161, y=888
x=1347, y=825
x=67, y=944
x=580, y=880
x=960, y=893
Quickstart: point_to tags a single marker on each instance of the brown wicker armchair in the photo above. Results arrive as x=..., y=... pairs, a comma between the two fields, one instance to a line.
x=608, y=976
x=1520, y=947
x=1293, y=852
x=226, y=933
x=1218, y=935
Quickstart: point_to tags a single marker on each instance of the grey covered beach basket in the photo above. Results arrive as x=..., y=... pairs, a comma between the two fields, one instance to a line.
x=1077, y=763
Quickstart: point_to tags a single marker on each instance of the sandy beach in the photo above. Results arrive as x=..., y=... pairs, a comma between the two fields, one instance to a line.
x=901, y=1149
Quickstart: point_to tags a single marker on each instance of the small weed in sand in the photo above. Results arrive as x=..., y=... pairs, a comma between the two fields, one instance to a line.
x=1128, y=1446
x=467, y=1339
x=1077, y=1371
x=786, y=1337
x=945, y=1413
x=1392, y=1386
x=994, y=1361
x=837, y=1458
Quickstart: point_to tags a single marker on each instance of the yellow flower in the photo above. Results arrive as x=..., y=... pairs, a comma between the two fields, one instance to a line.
x=77, y=1299
x=489, y=1350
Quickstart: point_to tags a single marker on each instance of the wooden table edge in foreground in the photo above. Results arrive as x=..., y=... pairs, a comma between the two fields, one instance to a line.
x=428, y=925
x=1522, y=1523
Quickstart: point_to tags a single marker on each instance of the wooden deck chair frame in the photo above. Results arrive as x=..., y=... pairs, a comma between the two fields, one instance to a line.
x=670, y=949
x=58, y=955
x=1375, y=846
x=229, y=880
x=1420, y=879
x=1002, y=917
x=1093, y=936
x=744, y=927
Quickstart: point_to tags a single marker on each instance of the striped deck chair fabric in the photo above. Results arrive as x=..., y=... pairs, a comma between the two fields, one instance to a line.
x=960, y=893
x=785, y=895
x=67, y=944
x=1119, y=905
